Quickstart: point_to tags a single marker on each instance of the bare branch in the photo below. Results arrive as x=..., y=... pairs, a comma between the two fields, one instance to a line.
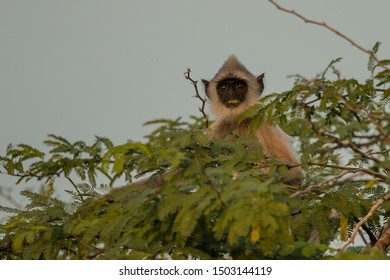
x=197, y=95
x=323, y=24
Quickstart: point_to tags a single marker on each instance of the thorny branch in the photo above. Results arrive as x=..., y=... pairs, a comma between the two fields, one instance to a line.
x=330, y=28
x=197, y=95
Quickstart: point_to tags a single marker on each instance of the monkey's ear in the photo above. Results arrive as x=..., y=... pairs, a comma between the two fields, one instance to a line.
x=261, y=82
x=205, y=82
x=206, y=87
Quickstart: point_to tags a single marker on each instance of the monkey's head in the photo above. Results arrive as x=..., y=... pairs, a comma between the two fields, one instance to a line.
x=233, y=89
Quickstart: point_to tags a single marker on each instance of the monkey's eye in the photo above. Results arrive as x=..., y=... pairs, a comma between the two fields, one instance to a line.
x=224, y=87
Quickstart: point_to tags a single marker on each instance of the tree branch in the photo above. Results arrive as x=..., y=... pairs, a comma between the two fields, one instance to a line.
x=376, y=205
x=323, y=24
x=384, y=240
x=197, y=95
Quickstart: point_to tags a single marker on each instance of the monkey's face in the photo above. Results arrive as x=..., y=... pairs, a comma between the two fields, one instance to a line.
x=232, y=92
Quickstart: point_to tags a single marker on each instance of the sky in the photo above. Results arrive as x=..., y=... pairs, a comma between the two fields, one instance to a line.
x=80, y=68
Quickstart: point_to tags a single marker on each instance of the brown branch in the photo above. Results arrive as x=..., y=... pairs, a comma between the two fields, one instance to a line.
x=380, y=152
x=29, y=173
x=376, y=175
x=323, y=24
x=197, y=95
x=376, y=205
x=384, y=240
x=340, y=179
x=371, y=140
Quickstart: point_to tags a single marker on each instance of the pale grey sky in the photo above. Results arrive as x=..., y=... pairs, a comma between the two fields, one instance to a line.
x=104, y=67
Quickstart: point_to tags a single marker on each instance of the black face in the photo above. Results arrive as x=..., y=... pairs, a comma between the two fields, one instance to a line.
x=232, y=92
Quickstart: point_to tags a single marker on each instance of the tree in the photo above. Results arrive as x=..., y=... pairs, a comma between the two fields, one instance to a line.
x=207, y=199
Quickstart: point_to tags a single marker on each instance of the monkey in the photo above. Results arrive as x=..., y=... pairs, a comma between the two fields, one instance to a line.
x=231, y=91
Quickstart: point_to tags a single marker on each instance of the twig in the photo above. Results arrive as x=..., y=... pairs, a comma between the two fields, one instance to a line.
x=197, y=95
x=336, y=72
x=340, y=179
x=323, y=24
x=376, y=205
x=74, y=185
x=370, y=172
x=29, y=173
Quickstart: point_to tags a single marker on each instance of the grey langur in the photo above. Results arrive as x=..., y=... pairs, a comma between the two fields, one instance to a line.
x=233, y=90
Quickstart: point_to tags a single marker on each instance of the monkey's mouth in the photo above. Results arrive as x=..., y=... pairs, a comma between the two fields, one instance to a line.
x=233, y=102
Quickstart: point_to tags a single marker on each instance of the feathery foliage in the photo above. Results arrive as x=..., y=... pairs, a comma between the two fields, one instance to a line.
x=207, y=199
